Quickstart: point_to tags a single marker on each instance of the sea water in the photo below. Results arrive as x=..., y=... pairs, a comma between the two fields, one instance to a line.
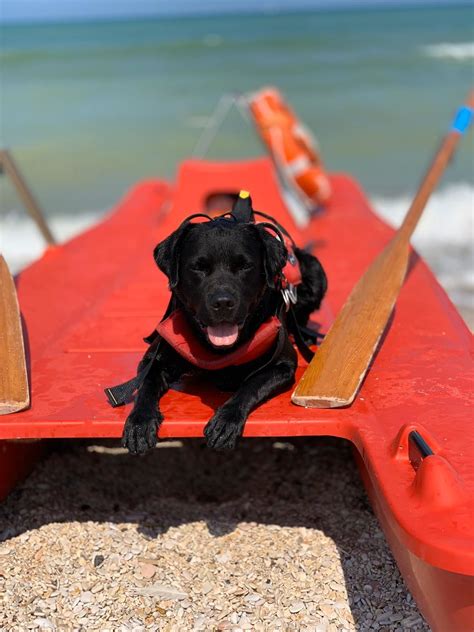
x=89, y=108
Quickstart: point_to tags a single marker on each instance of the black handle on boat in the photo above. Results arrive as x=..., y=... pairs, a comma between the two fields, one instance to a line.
x=418, y=448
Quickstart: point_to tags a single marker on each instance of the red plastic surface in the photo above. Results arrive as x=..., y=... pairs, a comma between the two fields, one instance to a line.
x=87, y=305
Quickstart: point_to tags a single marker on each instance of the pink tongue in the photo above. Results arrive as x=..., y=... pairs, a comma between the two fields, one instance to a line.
x=223, y=335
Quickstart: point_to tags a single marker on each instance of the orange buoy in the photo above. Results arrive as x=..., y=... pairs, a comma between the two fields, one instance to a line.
x=291, y=145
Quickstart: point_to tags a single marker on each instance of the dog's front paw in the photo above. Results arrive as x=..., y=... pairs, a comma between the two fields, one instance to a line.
x=140, y=432
x=224, y=428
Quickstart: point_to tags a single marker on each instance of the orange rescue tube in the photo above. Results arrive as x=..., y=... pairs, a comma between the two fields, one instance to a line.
x=292, y=147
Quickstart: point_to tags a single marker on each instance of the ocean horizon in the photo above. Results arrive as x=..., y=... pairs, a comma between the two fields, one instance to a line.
x=90, y=108
x=165, y=12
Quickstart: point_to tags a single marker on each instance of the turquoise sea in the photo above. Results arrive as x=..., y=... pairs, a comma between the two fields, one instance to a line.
x=89, y=108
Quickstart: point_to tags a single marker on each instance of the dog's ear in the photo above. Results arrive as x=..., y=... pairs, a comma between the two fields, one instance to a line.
x=274, y=255
x=166, y=254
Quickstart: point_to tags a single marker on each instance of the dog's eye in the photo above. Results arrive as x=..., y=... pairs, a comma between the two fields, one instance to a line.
x=243, y=264
x=201, y=265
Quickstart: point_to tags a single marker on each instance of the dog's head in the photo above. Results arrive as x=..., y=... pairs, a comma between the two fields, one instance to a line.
x=219, y=271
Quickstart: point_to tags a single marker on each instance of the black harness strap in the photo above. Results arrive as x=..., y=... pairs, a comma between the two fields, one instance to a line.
x=122, y=393
x=294, y=328
x=278, y=347
x=277, y=224
x=310, y=333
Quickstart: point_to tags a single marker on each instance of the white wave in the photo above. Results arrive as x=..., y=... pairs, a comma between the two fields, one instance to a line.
x=444, y=236
x=21, y=242
x=461, y=51
x=448, y=217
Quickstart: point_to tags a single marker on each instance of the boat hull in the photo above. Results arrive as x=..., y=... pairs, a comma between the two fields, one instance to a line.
x=446, y=599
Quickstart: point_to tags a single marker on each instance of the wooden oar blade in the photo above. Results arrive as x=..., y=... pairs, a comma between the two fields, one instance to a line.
x=14, y=392
x=354, y=335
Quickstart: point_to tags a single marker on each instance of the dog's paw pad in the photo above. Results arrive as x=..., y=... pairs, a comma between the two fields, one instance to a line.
x=140, y=433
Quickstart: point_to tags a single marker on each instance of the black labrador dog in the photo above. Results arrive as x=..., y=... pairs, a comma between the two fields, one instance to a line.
x=224, y=276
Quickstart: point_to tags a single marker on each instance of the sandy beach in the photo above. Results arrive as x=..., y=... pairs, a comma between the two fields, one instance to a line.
x=277, y=535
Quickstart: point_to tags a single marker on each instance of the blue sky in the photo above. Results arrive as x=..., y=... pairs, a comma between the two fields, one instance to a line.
x=12, y=10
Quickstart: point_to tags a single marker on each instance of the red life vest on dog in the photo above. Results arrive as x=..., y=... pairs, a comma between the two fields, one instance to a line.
x=178, y=334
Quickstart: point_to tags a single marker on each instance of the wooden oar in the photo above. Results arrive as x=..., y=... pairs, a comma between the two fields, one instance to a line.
x=14, y=393
x=341, y=362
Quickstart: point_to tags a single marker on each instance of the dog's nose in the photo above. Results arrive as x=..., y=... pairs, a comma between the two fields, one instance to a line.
x=222, y=302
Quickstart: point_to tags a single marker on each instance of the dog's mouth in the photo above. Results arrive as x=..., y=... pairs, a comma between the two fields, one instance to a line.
x=222, y=335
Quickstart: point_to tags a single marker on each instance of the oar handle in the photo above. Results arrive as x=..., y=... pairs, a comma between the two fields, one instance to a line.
x=443, y=156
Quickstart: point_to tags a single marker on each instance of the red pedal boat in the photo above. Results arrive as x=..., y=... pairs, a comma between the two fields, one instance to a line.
x=88, y=303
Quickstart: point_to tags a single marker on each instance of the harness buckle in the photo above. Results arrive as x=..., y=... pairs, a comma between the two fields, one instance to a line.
x=290, y=295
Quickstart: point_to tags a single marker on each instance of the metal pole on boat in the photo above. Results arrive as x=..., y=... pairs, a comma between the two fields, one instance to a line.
x=9, y=167
x=213, y=125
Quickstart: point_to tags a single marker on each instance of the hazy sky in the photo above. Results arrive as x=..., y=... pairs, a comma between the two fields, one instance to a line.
x=71, y=9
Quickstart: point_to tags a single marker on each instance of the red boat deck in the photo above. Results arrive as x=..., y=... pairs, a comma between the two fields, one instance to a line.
x=87, y=305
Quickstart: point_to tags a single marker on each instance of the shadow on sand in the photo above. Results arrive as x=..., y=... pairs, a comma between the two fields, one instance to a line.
x=310, y=482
